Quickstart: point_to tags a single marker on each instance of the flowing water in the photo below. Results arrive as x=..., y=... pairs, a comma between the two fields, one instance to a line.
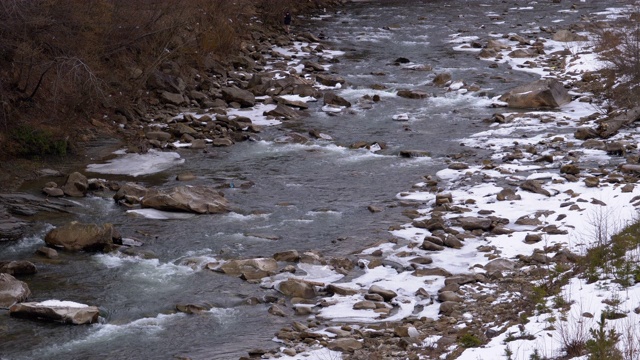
x=310, y=197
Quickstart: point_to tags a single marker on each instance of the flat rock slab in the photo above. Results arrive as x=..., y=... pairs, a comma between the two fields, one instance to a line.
x=66, y=312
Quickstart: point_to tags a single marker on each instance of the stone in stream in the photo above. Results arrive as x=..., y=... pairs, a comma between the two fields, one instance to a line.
x=297, y=288
x=18, y=267
x=12, y=290
x=386, y=294
x=66, y=312
x=76, y=185
x=77, y=236
x=197, y=199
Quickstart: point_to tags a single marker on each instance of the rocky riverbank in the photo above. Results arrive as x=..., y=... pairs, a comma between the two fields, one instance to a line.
x=482, y=235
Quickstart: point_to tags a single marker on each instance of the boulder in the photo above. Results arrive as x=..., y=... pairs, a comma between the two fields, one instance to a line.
x=329, y=80
x=237, y=267
x=387, y=295
x=76, y=185
x=77, y=236
x=196, y=199
x=243, y=97
x=66, y=312
x=472, y=223
x=547, y=93
x=172, y=98
x=283, y=111
x=534, y=186
x=499, y=265
x=12, y=290
x=442, y=79
x=412, y=94
x=131, y=192
x=330, y=98
x=18, y=267
x=297, y=288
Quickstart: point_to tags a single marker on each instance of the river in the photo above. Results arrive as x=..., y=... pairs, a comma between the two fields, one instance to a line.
x=309, y=197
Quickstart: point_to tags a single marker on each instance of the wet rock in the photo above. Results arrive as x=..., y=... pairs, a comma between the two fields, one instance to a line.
x=523, y=53
x=330, y=98
x=546, y=93
x=414, y=153
x=329, y=80
x=47, y=252
x=238, y=267
x=287, y=256
x=192, y=308
x=130, y=192
x=12, y=290
x=412, y=94
x=387, y=295
x=18, y=267
x=57, y=311
x=77, y=236
x=297, y=288
x=196, y=199
x=76, y=185
x=277, y=311
x=442, y=79
x=283, y=112
x=53, y=191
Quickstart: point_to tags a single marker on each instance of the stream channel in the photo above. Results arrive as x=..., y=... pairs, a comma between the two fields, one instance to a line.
x=310, y=197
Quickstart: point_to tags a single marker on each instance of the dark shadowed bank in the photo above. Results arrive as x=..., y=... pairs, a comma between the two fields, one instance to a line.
x=75, y=73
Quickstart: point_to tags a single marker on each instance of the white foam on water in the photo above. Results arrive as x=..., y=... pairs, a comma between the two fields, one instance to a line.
x=100, y=334
x=144, y=270
x=138, y=164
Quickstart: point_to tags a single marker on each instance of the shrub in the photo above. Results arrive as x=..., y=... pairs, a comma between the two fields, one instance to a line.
x=469, y=340
x=38, y=142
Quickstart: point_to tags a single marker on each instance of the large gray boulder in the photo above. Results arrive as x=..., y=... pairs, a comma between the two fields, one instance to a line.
x=76, y=185
x=243, y=97
x=77, y=236
x=196, y=199
x=547, y=93
x=237, y=267
x=12, y=290
x=66, y=312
